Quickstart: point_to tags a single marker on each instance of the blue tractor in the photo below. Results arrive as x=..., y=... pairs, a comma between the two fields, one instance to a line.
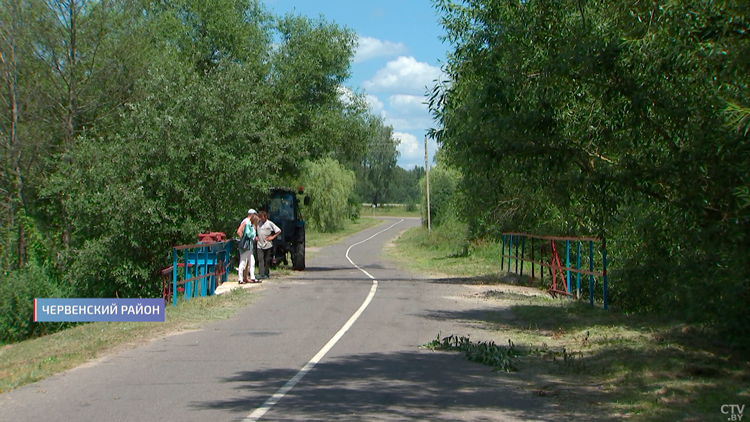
x=284, y=210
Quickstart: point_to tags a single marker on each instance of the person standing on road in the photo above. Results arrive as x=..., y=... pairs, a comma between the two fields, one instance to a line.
x=267, y=232
x=248, y=234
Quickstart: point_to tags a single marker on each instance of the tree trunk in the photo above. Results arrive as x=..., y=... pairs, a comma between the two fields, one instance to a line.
x=72, y=59
x=13, y=151
x=21, y=246
x=71, y=107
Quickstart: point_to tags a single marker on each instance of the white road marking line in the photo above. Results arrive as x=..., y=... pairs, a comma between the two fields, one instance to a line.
x=271, y=401
x=359, y=243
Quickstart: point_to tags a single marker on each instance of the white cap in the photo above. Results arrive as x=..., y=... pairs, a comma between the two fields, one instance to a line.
x=251, y=211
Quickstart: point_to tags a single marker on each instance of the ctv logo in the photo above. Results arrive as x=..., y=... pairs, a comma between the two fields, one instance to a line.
x=733, y=410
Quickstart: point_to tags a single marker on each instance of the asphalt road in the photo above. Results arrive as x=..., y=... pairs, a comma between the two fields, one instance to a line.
x=339, y=341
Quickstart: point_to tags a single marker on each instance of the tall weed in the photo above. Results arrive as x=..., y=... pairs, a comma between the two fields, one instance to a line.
x=18, y=289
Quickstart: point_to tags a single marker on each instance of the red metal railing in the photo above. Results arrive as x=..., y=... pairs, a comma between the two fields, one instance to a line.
x=560, y=274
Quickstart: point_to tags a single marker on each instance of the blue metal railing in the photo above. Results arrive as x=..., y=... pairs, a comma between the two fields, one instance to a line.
x=554, y=265
x=205, y=268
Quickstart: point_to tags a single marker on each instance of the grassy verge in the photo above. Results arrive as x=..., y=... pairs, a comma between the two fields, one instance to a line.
x=390, y=210
x=443, y=252
x=596, y=364
x=32, y=360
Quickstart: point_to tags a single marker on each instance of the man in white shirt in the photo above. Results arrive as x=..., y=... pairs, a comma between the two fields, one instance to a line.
x=267, y=232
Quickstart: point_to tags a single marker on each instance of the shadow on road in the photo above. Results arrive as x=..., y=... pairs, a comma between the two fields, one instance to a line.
x=421, y=385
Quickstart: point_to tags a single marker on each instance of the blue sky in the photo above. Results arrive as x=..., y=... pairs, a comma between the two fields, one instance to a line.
x=399, y=54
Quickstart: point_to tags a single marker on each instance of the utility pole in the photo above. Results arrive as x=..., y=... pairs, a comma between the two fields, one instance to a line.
x=427, y=179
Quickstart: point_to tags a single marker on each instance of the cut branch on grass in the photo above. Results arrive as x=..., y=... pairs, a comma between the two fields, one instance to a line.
x=487, y=353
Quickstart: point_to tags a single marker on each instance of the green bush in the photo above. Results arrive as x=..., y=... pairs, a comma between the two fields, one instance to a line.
x=17, y=292
x=354, y=203
x=443, y=194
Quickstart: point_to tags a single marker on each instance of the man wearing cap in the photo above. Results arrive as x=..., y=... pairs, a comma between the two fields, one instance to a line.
x=267, y=232
x=248, y=234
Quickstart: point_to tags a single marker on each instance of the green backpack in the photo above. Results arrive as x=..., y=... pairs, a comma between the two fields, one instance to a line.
x=248, y=237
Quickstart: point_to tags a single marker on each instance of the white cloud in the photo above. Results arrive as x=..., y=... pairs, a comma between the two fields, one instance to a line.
x=410, y=123
x=412, y=151
x=408, y=104
x=407, y=112
x=370, y=48
x=409, y=147
x=405, y=74
x=376, y=106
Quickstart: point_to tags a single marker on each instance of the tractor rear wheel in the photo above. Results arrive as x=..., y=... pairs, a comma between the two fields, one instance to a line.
x=298, y=256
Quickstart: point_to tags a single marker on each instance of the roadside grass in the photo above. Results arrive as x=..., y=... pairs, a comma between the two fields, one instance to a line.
x=596, y=364
x=390, y=210
x=443, y=251
x=32, y=360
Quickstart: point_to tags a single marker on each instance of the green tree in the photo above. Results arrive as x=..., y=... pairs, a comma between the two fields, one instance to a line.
x=379, y=163
x=207, y=34
x=611, y=117
x=308, y=67
x=329, y=185
x=210, y=136
x=404, y=186
x=12, y=31
x=88, y=58
x=65, y=67
x=444, y=195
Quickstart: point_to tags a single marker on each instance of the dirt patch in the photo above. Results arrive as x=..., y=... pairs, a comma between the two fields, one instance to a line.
x=228, y=286
x=503, y=291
